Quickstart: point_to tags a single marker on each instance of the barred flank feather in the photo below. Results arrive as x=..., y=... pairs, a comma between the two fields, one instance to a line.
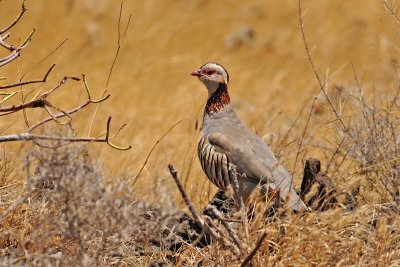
x=214, y=164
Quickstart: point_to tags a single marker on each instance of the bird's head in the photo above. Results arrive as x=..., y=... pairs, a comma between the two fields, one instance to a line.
x=212, y=75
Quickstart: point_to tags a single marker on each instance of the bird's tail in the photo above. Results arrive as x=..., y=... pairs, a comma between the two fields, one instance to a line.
x=283, y=182
x=295, y=202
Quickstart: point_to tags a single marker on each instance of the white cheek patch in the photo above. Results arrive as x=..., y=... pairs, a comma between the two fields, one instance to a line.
x=222, y=79
x=225, y=76
x=211, y=87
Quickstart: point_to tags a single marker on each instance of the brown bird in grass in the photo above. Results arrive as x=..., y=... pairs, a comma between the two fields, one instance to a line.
x=227, y=147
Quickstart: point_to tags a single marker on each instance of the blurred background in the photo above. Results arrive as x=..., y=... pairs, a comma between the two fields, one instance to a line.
x=259, y=43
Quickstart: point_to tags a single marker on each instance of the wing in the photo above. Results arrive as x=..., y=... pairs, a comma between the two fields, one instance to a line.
x=242, y=157
x=254, y=158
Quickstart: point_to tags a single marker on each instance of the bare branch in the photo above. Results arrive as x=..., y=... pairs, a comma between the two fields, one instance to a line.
x=107, y=138
x=67, y=113
x=31, y=81
x=27, y=136
x=90, y=95
x=30, y=137
x=16, y=51
x=192, y=210
x=42, y=102
x=5, y=36
x=9, y=58
x=119, y=40
x=4, y=44
x=27, y=40
x=391, y=10
x=15, y=21
x=280, y=146
x=60, y=115
x=40, y=99
x=37, y=103
x=254, y=250
x=196, y=216
x=224, y=222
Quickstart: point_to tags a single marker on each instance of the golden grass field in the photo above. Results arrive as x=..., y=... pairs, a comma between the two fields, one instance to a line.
x=271, y=81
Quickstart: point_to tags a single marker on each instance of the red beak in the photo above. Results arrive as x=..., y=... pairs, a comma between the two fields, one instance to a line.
x=196, y=73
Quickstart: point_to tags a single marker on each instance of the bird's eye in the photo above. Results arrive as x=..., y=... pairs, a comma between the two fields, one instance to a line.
x=210, y=72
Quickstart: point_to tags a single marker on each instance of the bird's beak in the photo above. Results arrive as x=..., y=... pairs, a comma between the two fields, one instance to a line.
x=196, y=73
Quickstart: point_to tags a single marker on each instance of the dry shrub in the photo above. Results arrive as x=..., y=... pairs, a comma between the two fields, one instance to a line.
x=72, y=218
x=373, y=143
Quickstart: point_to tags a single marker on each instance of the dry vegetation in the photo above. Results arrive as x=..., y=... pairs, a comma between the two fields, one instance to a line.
x=94, y=205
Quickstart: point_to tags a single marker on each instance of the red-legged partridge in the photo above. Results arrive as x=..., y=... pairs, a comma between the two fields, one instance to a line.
x=227, y=147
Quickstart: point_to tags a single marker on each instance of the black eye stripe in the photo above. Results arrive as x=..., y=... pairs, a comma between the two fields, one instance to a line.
x=209, y=71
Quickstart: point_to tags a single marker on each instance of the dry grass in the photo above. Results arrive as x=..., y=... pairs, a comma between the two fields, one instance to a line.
x=91, y=214
x=70, y=217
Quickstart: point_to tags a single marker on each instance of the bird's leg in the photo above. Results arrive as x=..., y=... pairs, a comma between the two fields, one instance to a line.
x=239, y=200
x=272, y=199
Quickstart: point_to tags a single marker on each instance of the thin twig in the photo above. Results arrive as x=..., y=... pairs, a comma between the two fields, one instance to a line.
x=15, y=21
x=224, y=222
x=310, y=60
x=40, y=99
x=391, y=10
x=108, y=138
x=303, y=134
x=135, y=179
x=31, y=137
x=7, y=96
x=27, y=40
x=5, y=45
x=29, y=82
x=60, y=115
x=68, y=113
x=41, y=102
x=334, y=154
x=196, y=216
x=27, y=136
x=36, y=103
x=119, y=41
x=287, y=133
x=16, y=52
x=5, y=36
x=46, y=57
x=192, y=210
x=8, y=59
x=253, y=252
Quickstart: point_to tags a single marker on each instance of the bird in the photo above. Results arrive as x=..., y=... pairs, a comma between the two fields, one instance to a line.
x=227, y=149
